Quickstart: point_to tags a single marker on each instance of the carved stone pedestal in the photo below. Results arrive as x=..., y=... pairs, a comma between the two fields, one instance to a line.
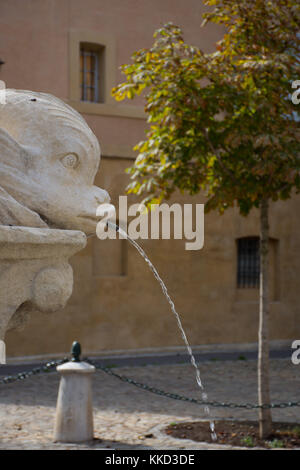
x=34, y=271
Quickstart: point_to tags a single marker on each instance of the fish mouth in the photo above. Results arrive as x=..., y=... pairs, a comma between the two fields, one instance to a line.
x=45, y=219
x=92, y=218
x=90, y=223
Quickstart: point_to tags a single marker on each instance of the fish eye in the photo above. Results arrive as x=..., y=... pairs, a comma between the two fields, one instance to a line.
x=70, y=160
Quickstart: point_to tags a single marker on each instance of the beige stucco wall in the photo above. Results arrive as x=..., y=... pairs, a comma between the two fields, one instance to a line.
x=129, y=311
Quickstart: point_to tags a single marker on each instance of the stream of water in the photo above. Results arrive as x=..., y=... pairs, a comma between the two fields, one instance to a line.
x=171, y=303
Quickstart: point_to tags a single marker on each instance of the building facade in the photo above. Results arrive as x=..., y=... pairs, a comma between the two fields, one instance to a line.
x=73, y=50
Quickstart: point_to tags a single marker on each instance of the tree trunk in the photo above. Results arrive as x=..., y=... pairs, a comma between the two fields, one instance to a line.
x=265, y=417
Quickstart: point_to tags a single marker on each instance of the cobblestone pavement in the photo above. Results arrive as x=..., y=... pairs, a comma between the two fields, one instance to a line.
x=126, y=417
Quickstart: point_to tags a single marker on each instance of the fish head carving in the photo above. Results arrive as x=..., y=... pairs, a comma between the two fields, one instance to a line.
x=49, y=158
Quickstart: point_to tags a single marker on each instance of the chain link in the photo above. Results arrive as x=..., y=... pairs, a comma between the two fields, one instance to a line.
x=175, y=396
x=48, y=367
x=51, y=366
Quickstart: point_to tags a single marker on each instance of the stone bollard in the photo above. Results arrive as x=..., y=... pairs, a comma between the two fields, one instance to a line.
x=74, y=412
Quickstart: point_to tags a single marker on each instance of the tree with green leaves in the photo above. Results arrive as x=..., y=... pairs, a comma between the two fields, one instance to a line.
x=224, y=123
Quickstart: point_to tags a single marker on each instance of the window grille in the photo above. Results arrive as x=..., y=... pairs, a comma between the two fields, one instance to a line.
x=248, y=262
x=89, y=72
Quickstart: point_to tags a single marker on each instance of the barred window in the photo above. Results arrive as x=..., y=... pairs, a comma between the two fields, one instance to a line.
x=91, y=72
x=248, y=266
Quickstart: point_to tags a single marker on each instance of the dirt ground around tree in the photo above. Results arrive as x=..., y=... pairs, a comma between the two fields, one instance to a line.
x=239, y=433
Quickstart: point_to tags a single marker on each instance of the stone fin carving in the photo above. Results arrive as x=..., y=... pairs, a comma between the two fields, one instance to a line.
x=10, y=151
x=13, y=213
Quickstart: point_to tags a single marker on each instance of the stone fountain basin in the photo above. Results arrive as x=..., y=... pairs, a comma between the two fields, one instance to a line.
x=35, y=274
x=21, y=243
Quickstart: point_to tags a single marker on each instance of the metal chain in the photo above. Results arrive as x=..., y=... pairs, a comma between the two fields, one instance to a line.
x=175, y=396
x=50, y=366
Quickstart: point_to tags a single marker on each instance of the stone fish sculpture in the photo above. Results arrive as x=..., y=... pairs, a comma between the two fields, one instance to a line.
x=48, y=161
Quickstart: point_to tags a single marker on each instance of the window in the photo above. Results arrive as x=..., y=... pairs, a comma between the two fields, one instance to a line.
x=99, y=102
x=248, y=266
x=92, y=74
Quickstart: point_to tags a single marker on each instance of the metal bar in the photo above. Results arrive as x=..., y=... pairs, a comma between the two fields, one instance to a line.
x=96, y=90
x=84, y=76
